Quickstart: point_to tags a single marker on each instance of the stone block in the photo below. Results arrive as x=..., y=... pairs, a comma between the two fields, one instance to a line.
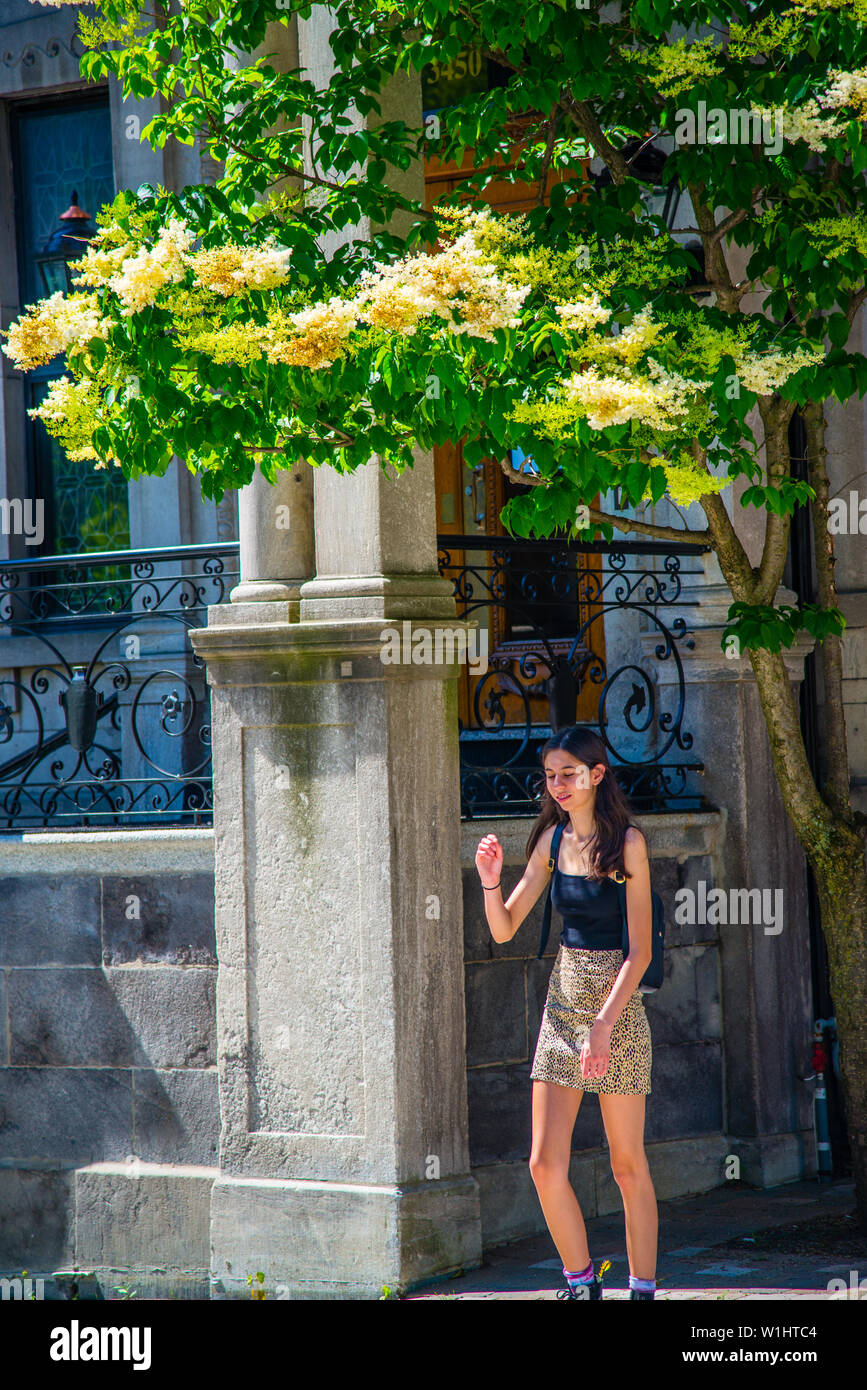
x=84, y=1017
x=673, y=1011
x=177, y=1116
x=4, y=1022
x=500, y=1106
x=67, y=1018
x=50, y=920
x=589, y=1131
x=687, y=1007
x=686, y=1091
x=695, y=870
x=499, y=1111
x=707, y=993
x=479, y=945
x=174, y=924
x=38, y=1221
x=172, y=1014
x=538, y=974
x=397, y=1237
x=775, y=1158
x=129, y=1219
x=67, y=1115
x=496, y=1013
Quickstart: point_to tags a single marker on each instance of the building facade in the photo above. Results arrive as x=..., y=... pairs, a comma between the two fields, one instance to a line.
x=252, y=1013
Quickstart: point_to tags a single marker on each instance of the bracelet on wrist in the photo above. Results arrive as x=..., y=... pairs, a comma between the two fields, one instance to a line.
x=496, y=885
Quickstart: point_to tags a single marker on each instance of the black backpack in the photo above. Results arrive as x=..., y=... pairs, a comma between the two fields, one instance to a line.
x=655, y=972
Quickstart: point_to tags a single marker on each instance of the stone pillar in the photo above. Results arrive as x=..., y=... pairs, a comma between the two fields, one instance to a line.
x=344, y=1157
x=275, y=523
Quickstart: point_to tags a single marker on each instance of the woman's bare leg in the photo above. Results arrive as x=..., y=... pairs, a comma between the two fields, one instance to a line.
x=555, y=1109
x=623, y=1118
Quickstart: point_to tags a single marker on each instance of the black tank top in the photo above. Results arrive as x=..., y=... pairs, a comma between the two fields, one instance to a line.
x=590, y=910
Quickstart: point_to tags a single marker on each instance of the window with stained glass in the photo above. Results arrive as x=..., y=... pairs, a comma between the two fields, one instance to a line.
x=60, y=148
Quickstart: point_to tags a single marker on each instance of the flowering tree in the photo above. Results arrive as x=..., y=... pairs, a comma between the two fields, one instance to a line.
x=210, y=325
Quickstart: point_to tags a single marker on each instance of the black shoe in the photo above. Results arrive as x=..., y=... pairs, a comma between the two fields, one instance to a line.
x=593, y=1291
x=641, y=1293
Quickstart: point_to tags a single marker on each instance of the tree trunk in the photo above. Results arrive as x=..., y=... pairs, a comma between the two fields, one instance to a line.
x=835, y=851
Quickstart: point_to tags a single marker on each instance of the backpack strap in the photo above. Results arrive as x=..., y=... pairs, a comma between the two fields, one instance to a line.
x=624, y=918
x=552, y=864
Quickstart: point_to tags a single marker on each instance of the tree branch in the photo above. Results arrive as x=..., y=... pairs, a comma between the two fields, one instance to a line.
x=733, y=559
x=855, y=302
x=776, y=415
x=596, y=137
x=548, y=155
x=649, y=528
x=620, y=523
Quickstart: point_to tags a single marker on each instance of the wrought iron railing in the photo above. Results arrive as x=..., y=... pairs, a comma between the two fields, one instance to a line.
x=552, y=610
x=105, y=712
x=112, y=724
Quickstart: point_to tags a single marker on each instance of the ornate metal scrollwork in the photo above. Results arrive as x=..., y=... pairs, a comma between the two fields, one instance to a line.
x=133, y=743
x=522, y=586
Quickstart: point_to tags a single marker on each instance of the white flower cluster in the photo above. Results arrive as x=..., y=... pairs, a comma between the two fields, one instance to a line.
x=613, y=398
x=312, y=337
x=455, y=283
x=140, y=277
x=234, y=268
x=581, y=314
x=764, y=372
x=811, y=121
x=846, y=89
x=51, y=326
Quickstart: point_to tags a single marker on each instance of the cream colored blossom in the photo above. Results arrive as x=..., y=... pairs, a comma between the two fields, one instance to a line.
x=52, y=326
x=846, y=89
x=813, y=120
x=613, y=399
x=96, y=267
x=627, y=345
x=581, y=314
x=764, y=372
x=313, y=337
x=141, y=277
x=234, y=268
x=806, y=122
x=456, y=283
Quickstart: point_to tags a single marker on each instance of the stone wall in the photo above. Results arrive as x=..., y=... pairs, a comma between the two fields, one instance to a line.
x=109, y=1112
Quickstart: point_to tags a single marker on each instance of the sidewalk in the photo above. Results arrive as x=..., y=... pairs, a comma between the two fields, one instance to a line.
x=734, y=1242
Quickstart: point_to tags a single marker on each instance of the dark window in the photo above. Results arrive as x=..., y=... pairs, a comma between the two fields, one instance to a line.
x=59, y=147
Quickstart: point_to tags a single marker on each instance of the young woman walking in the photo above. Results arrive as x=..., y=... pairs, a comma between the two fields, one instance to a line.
x=594, y=1035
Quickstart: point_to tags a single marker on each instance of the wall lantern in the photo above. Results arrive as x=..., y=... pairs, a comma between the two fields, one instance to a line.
x=66, y=243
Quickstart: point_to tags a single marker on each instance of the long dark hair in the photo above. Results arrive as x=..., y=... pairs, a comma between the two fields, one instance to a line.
x=612, y=810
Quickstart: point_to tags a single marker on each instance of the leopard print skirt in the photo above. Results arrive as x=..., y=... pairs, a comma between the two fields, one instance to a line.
x=580, y=983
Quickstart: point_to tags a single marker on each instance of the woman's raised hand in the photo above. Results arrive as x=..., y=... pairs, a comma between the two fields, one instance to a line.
x=489, y=860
